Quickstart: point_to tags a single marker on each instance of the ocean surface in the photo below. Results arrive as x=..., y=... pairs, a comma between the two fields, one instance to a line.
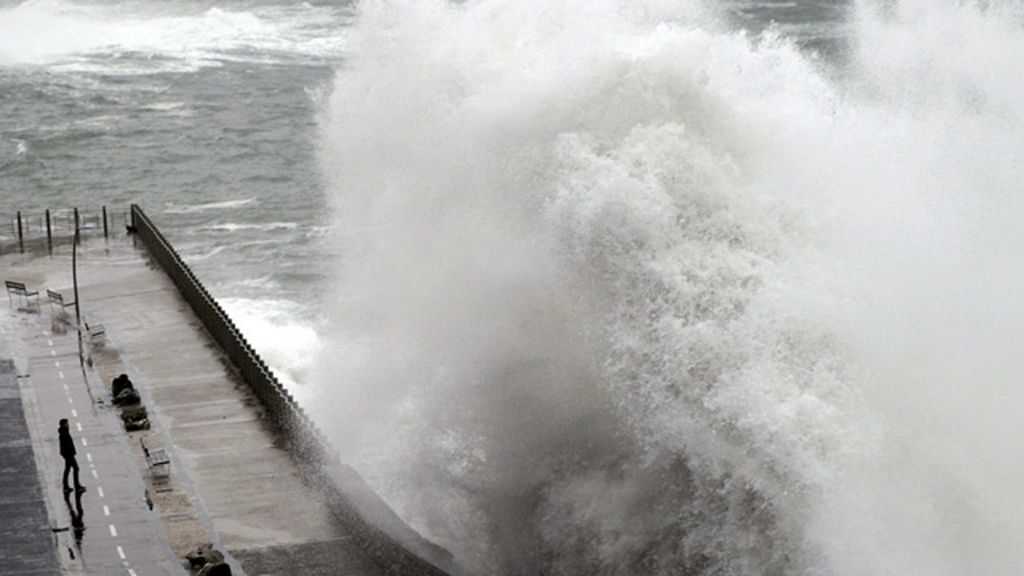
x=614, y=287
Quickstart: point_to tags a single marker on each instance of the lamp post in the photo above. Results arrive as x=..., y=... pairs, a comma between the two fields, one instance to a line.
x=74, y=279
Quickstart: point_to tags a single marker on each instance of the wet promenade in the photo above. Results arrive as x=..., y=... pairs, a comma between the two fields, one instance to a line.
x=231, y=482
x=108, y=529
x=27, y=546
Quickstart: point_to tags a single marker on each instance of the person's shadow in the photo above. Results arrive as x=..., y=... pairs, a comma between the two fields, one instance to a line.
x=77, y=519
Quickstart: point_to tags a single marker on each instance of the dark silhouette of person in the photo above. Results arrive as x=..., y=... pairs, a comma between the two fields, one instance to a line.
x=77, y=517
x=67, y=451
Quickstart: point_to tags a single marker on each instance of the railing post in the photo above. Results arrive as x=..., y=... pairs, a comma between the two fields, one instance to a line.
x=21, y=237
x=105, y=233
x=76, y=219
x=49, y=231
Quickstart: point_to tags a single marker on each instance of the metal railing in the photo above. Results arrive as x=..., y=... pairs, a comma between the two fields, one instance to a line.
x=22, y=230
x=307, y=444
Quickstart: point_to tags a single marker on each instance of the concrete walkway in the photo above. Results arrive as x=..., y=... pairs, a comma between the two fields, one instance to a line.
x=231, y=481
x=109, y=529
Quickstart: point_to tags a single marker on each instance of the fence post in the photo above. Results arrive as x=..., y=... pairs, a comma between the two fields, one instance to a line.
x=49, y=231
x=105, y=234
x=76, y=219
x=21, y=237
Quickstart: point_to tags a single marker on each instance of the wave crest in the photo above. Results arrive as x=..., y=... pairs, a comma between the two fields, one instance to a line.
x=630, y=292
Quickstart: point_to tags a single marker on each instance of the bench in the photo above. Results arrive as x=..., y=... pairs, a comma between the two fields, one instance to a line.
x=157, y=460
x=56, y=298
x=97, y=333
x=19, y=289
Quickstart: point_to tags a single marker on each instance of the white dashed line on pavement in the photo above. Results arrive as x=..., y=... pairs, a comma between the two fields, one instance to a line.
x=106, y=511
x=56, y=363
x=100, y=490
x=50, y=342
x=88, y=456
x=113, y=530
x=120, y=552
x=95, y=474
x=74, y=413
x=71, y=400
x=61, y=374
x=79, y=426
x=131, y=572
x=85, y=441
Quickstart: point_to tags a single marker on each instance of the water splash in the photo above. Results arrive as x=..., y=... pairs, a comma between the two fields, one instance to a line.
x=280, y=331
x=626, y=292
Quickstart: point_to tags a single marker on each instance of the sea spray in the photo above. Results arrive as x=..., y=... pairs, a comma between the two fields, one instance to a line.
x=625, y=292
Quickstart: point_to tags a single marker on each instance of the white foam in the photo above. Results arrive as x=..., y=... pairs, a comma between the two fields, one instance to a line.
x=279, y=332
x=204, y=255
x=140, y=38
x=633, y=295
x=262, y=226
x=165, y=106
x=171, y=208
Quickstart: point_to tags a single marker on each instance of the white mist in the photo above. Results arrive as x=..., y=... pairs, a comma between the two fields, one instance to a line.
x=626, y=293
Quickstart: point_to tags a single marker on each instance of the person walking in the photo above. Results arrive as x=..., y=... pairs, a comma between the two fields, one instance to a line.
x=67, y=451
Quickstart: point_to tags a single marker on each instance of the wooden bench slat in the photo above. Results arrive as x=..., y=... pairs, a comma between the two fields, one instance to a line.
x=156, y=457
x=57, y=298
x=19, y=288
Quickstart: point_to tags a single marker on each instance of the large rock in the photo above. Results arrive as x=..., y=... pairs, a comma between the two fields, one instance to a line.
x=218, y=569
x=205, y=554
x=120, y=384
x=135, y=418
x=208, y=561
x=127, y=397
